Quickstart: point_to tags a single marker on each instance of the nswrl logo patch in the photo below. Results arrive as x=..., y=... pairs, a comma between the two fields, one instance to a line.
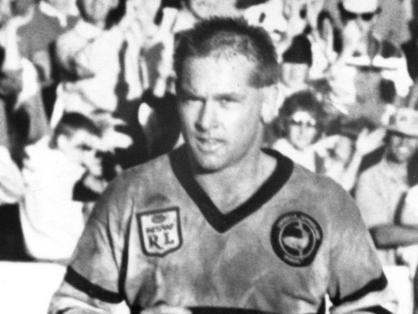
x=160, y=231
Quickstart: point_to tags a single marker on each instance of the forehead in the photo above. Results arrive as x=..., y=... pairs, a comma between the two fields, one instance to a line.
x=398, y=135
x=220, y=71
x=302, y=115
x=106, y=2
x=82, y=135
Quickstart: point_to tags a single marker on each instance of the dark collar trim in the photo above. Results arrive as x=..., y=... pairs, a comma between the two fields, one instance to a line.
x=223, y=222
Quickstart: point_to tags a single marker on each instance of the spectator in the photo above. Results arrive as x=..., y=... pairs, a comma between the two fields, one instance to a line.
x=100, y=59
x=380, y=189
x=369, y=72
x=11, y=182
x=296, y=61
x=294, y=69
x=324, y=43
x=284, y=20
x=301, y=121
x=23, y=117
x=102, y=67
x=10, y=77
x=51, y=220
x=380, y=195
x=11, y=194
x=409, y=212
x=410, y=49
x=343, y=154
x=48, y=19
x=409, y=217
x=391, y=23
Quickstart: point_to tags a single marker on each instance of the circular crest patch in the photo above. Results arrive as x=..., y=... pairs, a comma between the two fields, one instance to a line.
x=295, y=238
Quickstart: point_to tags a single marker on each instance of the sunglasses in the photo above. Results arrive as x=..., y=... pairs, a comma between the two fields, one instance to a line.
x=353, y=16
x=303, y=123
x=84, y=147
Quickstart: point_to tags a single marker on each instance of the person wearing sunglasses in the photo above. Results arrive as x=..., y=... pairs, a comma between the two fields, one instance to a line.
x=300, y=122
x=369, y=72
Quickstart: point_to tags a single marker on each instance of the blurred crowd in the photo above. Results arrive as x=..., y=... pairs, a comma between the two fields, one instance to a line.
x=87, y=90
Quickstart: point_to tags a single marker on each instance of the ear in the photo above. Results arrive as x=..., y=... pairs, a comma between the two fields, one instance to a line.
x=269, y=105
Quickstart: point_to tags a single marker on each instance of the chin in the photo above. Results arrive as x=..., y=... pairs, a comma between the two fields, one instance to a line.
x=209, y=166
x=209, y=163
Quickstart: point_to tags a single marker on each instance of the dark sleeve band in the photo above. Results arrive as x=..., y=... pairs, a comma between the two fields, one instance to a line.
x=375, y=285
x=91, y=289
x=377, y=310
x=176, y=4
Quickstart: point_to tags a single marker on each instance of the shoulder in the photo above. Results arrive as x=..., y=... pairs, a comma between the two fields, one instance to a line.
x=281, y=143
x=324, y=196
x=138, y=183
x=372, y=173
x=147, y=175
x=390, y=50
x=307, y=181
x=70, y=35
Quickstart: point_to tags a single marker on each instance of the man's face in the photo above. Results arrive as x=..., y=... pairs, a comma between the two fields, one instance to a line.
x=344, y=149
x=301, y=129
x=360, y=23
x=82, y=148
x=96, y=11
x=294, y=74
x=401, y=147
x=220, y=111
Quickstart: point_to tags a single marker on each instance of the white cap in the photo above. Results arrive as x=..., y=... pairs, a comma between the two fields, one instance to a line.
x=404, y=121
x=360, y=6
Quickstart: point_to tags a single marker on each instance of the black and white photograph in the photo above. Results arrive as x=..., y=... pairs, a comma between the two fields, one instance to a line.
x=208, y=157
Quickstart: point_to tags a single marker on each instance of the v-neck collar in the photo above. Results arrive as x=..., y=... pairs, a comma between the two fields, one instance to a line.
x=223, y=222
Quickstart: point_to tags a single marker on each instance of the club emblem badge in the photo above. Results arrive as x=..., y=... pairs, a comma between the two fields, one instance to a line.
x=296, y=238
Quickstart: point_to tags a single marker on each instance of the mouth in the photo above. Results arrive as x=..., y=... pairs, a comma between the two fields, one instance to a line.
x=403, y=150
x=208, y=144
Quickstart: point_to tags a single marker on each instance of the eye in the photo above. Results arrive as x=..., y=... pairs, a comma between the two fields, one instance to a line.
x=227, y=102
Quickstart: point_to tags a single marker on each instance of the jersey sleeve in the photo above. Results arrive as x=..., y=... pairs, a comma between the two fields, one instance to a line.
x=93, y=281
x=357, y=281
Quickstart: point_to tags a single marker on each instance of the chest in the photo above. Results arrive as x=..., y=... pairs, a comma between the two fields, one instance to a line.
x=278, y=250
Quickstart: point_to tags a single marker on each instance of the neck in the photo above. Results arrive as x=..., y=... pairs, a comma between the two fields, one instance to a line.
x=101, y=25
x=59, y=7
x=232, y=186
x=398, y=167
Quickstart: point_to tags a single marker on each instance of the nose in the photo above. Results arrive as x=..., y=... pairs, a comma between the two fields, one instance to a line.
x=207, y=116
x=406, y=141
x=302, y=130
x=359, y=23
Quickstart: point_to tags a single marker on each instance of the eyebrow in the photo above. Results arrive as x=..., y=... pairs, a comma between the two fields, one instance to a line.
x=182, y=92
x=232, y=95
x=190, y=93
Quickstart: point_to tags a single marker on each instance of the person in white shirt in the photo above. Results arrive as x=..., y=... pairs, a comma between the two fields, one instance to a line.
x=51, y=220
x=99, y=60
